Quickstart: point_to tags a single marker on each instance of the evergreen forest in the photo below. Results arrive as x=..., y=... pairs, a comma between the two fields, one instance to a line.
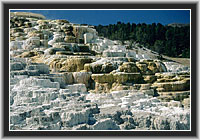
x=173, y=41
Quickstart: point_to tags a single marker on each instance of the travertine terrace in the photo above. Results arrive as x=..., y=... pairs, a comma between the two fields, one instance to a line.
x=63, y=76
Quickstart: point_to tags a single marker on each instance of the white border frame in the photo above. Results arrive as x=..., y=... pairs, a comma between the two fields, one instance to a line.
x=80, y=23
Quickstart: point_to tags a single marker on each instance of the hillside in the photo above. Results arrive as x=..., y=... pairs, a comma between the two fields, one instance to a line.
x=182, y=61
x=172, y=40
x=65, y=76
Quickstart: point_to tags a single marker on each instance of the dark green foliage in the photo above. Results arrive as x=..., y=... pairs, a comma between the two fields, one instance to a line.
x=159, y=46
x=167, y=40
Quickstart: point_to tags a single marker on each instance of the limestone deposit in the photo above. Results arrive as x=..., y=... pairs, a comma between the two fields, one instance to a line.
x=63, y=76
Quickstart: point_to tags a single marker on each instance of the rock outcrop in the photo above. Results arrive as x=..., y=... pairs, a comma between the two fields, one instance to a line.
x=63, y=76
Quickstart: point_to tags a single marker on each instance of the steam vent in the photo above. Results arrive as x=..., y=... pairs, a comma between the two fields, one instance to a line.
x=63, y=76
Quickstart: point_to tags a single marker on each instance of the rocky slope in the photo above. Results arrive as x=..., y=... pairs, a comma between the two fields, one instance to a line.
x=64, y=77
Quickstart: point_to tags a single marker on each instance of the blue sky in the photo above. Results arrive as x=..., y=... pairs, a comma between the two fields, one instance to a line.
x=105, y=17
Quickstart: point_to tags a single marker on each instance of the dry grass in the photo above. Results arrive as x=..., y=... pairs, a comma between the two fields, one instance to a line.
x=183, y=61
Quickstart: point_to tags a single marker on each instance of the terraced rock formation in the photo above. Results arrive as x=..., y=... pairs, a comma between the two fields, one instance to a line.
x=63, y=76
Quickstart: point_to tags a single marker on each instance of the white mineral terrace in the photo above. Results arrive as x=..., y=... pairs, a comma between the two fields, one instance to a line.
x=65, y=77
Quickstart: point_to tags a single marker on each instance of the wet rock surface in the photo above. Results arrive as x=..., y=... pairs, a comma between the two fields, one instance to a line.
x=64, y=77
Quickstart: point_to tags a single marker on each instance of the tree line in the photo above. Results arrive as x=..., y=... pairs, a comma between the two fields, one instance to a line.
x=167, y=40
